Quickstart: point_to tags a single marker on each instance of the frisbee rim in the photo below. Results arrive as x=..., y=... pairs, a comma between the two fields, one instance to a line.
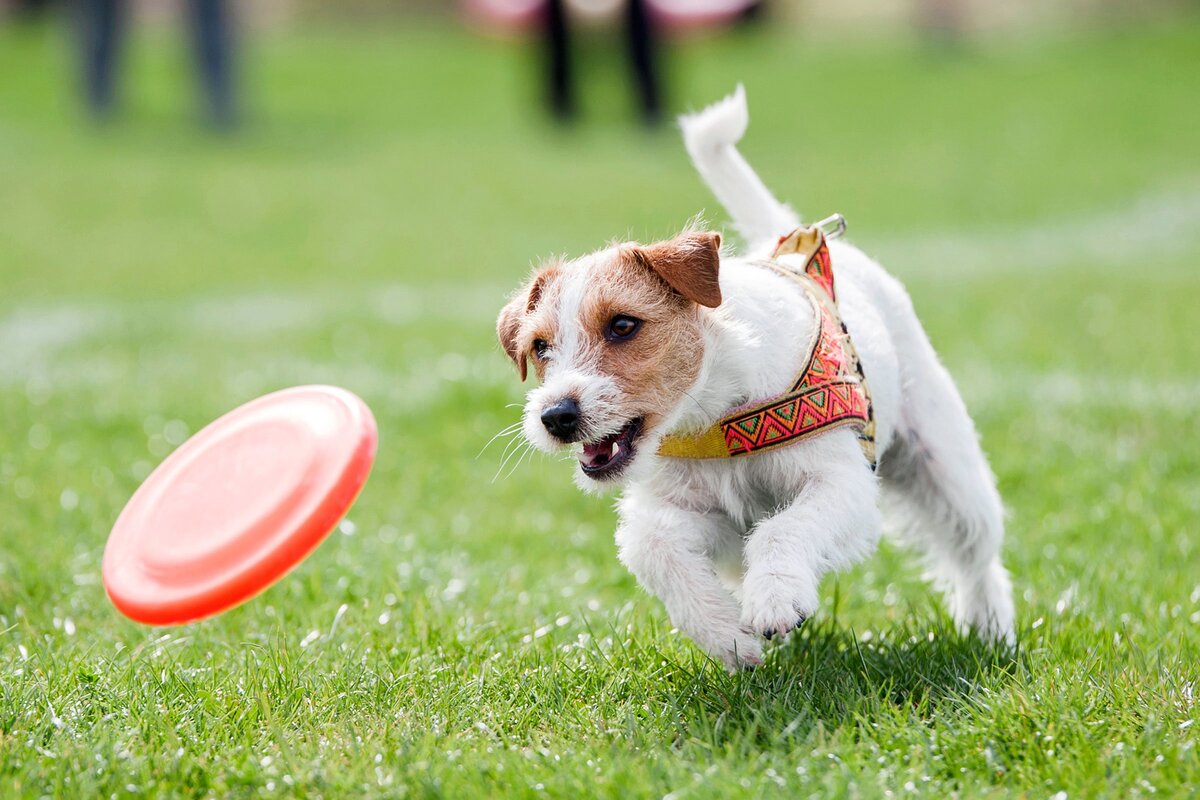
x=294, y=540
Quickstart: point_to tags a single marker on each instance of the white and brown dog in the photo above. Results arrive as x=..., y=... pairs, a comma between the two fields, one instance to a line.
x=636, y=343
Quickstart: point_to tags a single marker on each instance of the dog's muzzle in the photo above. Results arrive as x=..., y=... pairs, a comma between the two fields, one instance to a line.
x=561, y=420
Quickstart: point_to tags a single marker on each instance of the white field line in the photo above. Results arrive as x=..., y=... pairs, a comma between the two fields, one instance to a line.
x=29, y=335
x=1160, y=224
x=33, y=340
x=44, y=344
x=988, y=388
x=59, y=351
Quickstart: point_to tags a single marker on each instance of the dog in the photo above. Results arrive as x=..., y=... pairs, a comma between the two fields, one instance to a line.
x=634, y=345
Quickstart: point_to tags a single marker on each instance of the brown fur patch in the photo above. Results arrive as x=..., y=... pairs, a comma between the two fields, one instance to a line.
x=663, y=285
x=689, y=264
x=512, y=322
x=656, y=365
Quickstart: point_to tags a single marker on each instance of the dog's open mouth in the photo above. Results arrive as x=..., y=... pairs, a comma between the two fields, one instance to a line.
x=608, y=456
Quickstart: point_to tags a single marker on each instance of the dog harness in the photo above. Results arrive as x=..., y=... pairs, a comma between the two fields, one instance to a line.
x=831, y=390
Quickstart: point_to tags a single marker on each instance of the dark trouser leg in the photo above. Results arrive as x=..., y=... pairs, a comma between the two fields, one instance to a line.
x=100, y=34
x=558, y=60
x=31, y=9
x=211, y=31
x=642, y=43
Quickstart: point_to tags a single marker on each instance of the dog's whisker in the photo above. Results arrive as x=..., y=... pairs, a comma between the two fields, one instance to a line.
x=505, y=432
x=521, y=445
x=510, y=450
x=525, y=454
x=509, y=437
x=509, y=430
x=515, y=463
x=694, y=400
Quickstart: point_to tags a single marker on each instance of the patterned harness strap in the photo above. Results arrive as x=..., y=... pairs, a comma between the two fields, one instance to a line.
x=831, y=391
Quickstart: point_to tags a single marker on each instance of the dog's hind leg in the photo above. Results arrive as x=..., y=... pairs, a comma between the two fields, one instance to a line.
x=940, y=491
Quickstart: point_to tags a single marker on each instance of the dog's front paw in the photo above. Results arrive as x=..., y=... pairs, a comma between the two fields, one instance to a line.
x=733, y=645
x=775, y=602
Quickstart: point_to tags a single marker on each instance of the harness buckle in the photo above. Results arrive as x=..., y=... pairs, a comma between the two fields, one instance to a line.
x=832, y=226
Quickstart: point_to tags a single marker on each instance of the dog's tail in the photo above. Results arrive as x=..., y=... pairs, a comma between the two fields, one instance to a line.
x=710, y=137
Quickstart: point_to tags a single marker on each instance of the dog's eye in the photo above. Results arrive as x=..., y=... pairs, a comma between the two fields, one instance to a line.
x=622, y=327
x=540, y=347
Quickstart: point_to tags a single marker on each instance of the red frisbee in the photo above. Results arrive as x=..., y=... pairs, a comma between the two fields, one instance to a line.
x=239, y=504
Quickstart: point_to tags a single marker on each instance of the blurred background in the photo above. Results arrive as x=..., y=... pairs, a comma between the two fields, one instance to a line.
x=197, y=144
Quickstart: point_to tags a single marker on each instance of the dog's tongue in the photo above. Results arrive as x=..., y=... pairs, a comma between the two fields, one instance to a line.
x=600, y=453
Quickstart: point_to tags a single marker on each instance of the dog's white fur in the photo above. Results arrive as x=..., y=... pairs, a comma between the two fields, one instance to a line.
x=736, y=548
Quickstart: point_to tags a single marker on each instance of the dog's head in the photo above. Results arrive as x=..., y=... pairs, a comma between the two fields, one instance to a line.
x=615, y=339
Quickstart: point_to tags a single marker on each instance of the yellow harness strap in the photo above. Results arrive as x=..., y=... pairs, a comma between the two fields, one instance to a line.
x=830, y=392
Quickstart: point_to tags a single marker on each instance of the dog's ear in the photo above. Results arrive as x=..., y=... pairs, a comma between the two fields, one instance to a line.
x=689, y=264
x=508, y=326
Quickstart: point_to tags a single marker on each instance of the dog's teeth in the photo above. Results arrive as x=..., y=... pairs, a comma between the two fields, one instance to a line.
x=616, y=450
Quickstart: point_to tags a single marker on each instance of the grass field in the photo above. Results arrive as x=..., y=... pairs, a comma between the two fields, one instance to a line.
x=468, y=637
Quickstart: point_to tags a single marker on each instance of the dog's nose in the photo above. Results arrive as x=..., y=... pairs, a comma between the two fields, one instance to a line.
x=562, y=419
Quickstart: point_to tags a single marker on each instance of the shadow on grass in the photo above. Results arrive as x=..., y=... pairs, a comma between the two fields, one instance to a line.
x=825, y=676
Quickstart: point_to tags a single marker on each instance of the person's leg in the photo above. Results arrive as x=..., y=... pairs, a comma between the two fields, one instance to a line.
x=643, y=42
x=30, y=9
x=100, y=37
x=213, y=38
x=558, y=60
